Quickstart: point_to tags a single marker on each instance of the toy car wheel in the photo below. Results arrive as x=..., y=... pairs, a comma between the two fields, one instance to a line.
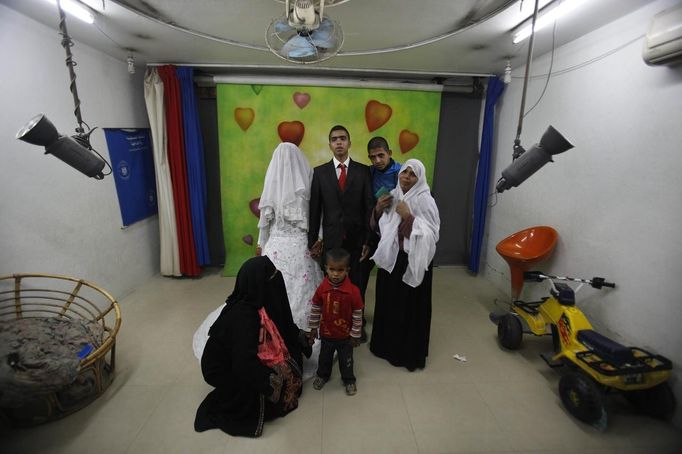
x=582, y=397
x=509, y=332
x=657, y=402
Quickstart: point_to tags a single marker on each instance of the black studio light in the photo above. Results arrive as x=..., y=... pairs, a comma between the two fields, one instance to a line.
x=528, y=162
x=76, y=150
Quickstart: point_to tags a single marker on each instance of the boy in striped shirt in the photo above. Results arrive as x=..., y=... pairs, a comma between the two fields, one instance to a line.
x=336, y=314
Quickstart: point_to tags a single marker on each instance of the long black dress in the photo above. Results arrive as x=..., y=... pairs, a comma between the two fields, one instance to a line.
x=402, y=318
x=239, y=403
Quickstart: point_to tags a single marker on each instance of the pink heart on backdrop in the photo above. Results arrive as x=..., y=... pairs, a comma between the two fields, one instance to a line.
x=301, y=99
x=253, y=206
x=248, y=239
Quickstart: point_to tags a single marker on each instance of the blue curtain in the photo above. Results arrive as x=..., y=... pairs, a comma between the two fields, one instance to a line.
x=495, y=89
x=194, y=156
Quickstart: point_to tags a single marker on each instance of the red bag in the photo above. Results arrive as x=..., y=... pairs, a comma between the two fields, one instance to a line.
x=271, y=347
x=273, y=353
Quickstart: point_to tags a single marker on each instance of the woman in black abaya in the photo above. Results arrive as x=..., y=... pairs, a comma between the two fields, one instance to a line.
x=247, y=392
x=409, y=223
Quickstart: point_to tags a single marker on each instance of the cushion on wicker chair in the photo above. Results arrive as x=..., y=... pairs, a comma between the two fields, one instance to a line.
x=42, y=355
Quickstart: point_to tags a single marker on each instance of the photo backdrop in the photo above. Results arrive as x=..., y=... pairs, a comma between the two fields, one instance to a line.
x=254, y=119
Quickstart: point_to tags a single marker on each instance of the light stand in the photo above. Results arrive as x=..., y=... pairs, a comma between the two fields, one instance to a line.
x=76, y=151
x=552, y=142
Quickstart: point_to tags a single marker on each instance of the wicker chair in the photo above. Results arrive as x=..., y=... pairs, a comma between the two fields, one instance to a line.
x=47, y=295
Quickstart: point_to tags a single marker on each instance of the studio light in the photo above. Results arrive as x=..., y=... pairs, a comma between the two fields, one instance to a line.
x=75, y=151
x=529, y=162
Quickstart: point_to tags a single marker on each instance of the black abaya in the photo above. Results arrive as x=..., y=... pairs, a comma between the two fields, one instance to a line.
x=402, y=318
x=239, y=405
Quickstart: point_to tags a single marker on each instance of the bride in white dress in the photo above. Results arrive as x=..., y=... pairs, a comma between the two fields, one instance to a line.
x=283, y=238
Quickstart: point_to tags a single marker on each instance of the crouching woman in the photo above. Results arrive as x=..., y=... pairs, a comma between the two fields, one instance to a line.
x=253, y=355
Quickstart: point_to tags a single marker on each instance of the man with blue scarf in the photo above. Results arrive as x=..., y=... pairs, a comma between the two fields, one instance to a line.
x=384, y=171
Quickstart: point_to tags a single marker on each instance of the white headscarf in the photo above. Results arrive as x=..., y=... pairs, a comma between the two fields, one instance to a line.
x=421, y=245
x=286, y=190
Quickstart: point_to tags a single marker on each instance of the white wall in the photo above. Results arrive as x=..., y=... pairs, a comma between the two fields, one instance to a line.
x=53, y=219
x=616, y=198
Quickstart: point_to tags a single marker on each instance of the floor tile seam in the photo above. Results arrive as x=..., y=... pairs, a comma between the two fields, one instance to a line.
x=531, y=450
x=148, y=418
x=409, y=418
x=422, y=382
x=497, y=420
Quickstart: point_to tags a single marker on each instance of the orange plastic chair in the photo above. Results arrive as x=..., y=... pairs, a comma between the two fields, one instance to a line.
x=525, y=248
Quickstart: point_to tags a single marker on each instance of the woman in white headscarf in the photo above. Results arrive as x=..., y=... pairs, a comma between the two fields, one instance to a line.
x=283, y=227
x=408, y=223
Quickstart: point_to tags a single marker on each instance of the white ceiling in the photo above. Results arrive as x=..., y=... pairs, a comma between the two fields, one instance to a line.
x=481, y=47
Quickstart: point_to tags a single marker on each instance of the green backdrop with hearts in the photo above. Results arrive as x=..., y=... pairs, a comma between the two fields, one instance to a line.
x=254, y=119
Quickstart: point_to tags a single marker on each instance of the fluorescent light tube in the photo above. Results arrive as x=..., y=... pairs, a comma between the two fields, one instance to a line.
x=75, y=9
x=547, y=18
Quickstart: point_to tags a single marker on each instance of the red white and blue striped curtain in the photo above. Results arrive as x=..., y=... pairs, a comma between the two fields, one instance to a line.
x=179, y=164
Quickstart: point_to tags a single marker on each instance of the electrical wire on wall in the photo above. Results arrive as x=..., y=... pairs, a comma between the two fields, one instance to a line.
x=109, y=37
x=568, y=69
x=588, y=62
x=549, y=73
x=130, y=60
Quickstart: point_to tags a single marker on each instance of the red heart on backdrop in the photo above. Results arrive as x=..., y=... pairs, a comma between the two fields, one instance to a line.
x=253, y=206
x=291, y=131
x=244, y=117
x=301, y=99
x=407, y=140
x=248, y=239
x=377, y=114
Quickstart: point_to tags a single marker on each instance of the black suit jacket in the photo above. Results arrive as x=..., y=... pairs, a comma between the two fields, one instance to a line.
x=344, y=214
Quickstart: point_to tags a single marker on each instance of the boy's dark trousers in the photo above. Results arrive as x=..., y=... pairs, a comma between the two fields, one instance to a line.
x=345, y=352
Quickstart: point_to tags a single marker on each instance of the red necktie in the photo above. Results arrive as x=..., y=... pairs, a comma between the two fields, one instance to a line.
x=342, y=177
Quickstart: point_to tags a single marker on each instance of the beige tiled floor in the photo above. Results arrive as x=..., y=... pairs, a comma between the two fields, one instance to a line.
x=496, y=402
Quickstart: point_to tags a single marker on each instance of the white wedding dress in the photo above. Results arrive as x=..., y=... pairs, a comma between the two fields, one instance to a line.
x=287, y=248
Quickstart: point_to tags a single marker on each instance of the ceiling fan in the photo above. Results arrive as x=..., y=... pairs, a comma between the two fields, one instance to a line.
x=304, y=34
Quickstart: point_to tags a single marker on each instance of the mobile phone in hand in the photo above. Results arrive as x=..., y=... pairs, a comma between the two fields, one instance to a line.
x=382, y=190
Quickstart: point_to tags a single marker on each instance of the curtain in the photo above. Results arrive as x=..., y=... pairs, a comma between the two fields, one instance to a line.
x=178, y=170
x=194, y=155
x=495, y=89
x=153, y=97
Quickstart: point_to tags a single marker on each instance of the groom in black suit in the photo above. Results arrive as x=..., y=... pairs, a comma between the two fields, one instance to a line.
x=341, y=199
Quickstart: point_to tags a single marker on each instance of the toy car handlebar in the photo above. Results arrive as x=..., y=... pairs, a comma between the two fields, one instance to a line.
x=534, y=276
x=599, y=282
x=595, y=282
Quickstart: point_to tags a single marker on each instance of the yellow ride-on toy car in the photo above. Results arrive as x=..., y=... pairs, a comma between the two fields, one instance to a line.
x=598, y=365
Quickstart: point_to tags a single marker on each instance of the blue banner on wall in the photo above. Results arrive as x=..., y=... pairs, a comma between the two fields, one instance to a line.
x=132, y=161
